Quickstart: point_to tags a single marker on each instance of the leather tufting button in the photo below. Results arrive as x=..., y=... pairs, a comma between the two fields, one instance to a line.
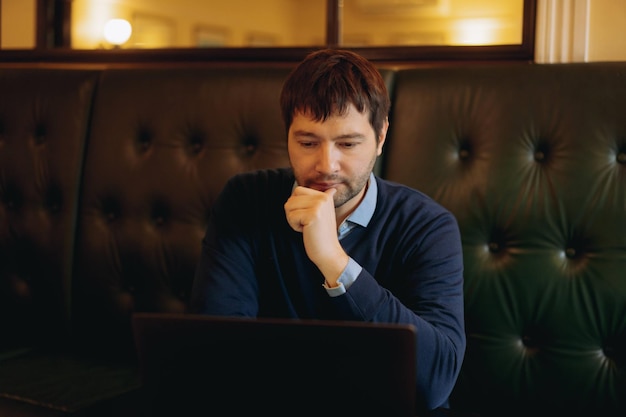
x=110, y=209
x=621, y=158
x=250, y=149
x=160, y=213
x=12, y=198
x=54, y=207
x=494, y=247
x=40, y=134
x=576, y=247
x=541, y=151
x=144, y=140
x=53, y=199
x=464, y=150
x=250, y=144
x=196, y=147
x=531, y=344
x=196, y=143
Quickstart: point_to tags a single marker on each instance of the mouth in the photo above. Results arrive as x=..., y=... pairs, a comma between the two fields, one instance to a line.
x=323, y=186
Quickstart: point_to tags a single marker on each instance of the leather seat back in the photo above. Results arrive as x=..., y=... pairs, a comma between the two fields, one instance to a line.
x=44, y=116
x=532, y=161
x=163, y=143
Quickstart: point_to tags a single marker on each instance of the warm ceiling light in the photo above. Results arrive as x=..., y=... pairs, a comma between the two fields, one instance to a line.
x=117, y=31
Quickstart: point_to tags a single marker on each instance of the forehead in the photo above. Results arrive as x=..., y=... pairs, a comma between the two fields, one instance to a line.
x=350, y=113
x=337, y=126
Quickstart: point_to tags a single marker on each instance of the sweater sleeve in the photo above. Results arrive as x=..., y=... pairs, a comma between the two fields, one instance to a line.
x=430, y=298
x=224, y=282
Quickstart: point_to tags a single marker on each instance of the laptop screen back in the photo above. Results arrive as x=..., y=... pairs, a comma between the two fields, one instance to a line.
x=217, y=366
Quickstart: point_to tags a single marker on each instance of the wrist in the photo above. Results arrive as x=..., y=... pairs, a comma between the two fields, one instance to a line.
x=333, y=270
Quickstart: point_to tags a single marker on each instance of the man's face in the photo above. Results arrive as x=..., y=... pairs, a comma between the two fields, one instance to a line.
x=339, y=152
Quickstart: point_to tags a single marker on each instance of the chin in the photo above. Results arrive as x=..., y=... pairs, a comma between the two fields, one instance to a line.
x=341, y=198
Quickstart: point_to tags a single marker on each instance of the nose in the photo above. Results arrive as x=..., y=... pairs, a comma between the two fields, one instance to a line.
x=327, y=159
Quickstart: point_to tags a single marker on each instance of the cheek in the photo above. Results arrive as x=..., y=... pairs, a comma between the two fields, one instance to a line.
x=372, y=153
x=300, y=162
x=293, y=153
x=356, y=165
x=296, y=155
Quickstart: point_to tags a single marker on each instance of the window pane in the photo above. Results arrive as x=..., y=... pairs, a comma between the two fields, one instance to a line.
x=201, y=23
x=432, y=22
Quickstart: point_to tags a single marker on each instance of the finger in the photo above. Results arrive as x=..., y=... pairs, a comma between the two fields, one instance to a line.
x=300, y=190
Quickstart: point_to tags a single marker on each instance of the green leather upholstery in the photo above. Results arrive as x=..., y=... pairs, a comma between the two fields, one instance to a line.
x=532, y=161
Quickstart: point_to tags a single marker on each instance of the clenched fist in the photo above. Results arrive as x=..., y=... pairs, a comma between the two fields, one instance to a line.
x=312, y=213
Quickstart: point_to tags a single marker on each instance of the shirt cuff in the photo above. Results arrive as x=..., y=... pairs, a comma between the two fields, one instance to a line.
x=347, y=277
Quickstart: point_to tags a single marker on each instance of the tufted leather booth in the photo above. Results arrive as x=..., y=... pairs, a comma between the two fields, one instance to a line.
x=43, y=123
x=107, y=175
x=532, y=162
x=154, y=165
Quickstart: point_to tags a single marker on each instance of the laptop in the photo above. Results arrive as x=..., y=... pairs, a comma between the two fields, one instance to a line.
x=198, y=365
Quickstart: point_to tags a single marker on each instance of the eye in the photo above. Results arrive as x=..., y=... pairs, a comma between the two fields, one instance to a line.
x=306, y=144
x=348, y=145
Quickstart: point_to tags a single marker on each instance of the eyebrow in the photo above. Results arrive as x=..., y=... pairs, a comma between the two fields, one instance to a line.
x=354, y=135
x=306, y=133
x=303, y=133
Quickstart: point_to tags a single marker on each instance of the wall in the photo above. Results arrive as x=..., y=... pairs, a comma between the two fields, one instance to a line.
x=607, y=20
x=17, y=25
x=580, y=31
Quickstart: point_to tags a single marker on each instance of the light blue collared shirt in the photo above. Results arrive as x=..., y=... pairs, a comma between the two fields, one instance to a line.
x=360, y=217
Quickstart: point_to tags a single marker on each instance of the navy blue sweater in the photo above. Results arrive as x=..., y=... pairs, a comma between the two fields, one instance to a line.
x=254, y=264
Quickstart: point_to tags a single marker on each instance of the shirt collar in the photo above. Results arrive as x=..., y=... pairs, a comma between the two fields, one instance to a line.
x=365, y=210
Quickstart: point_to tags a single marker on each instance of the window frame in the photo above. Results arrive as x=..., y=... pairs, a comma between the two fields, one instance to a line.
x=53, y=40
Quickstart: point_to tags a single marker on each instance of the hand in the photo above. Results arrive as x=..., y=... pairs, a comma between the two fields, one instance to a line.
x=312, y=213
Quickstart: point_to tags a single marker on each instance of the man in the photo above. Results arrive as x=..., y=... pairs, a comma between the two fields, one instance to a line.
x=327, y=239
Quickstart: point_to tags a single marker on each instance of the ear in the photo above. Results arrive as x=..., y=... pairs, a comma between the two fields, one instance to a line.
x=382, y=136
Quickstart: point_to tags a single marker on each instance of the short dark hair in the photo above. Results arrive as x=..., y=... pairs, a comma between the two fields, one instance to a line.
x=327, y=81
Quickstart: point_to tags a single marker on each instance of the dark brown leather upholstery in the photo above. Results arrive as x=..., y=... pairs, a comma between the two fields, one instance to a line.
x=107, y=176
x=163, y=143
x=44, y=116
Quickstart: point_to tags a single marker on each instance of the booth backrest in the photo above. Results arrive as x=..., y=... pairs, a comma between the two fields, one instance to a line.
x=162, y=145
x=532, y=161
x=107, y=177
x=44, y=117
